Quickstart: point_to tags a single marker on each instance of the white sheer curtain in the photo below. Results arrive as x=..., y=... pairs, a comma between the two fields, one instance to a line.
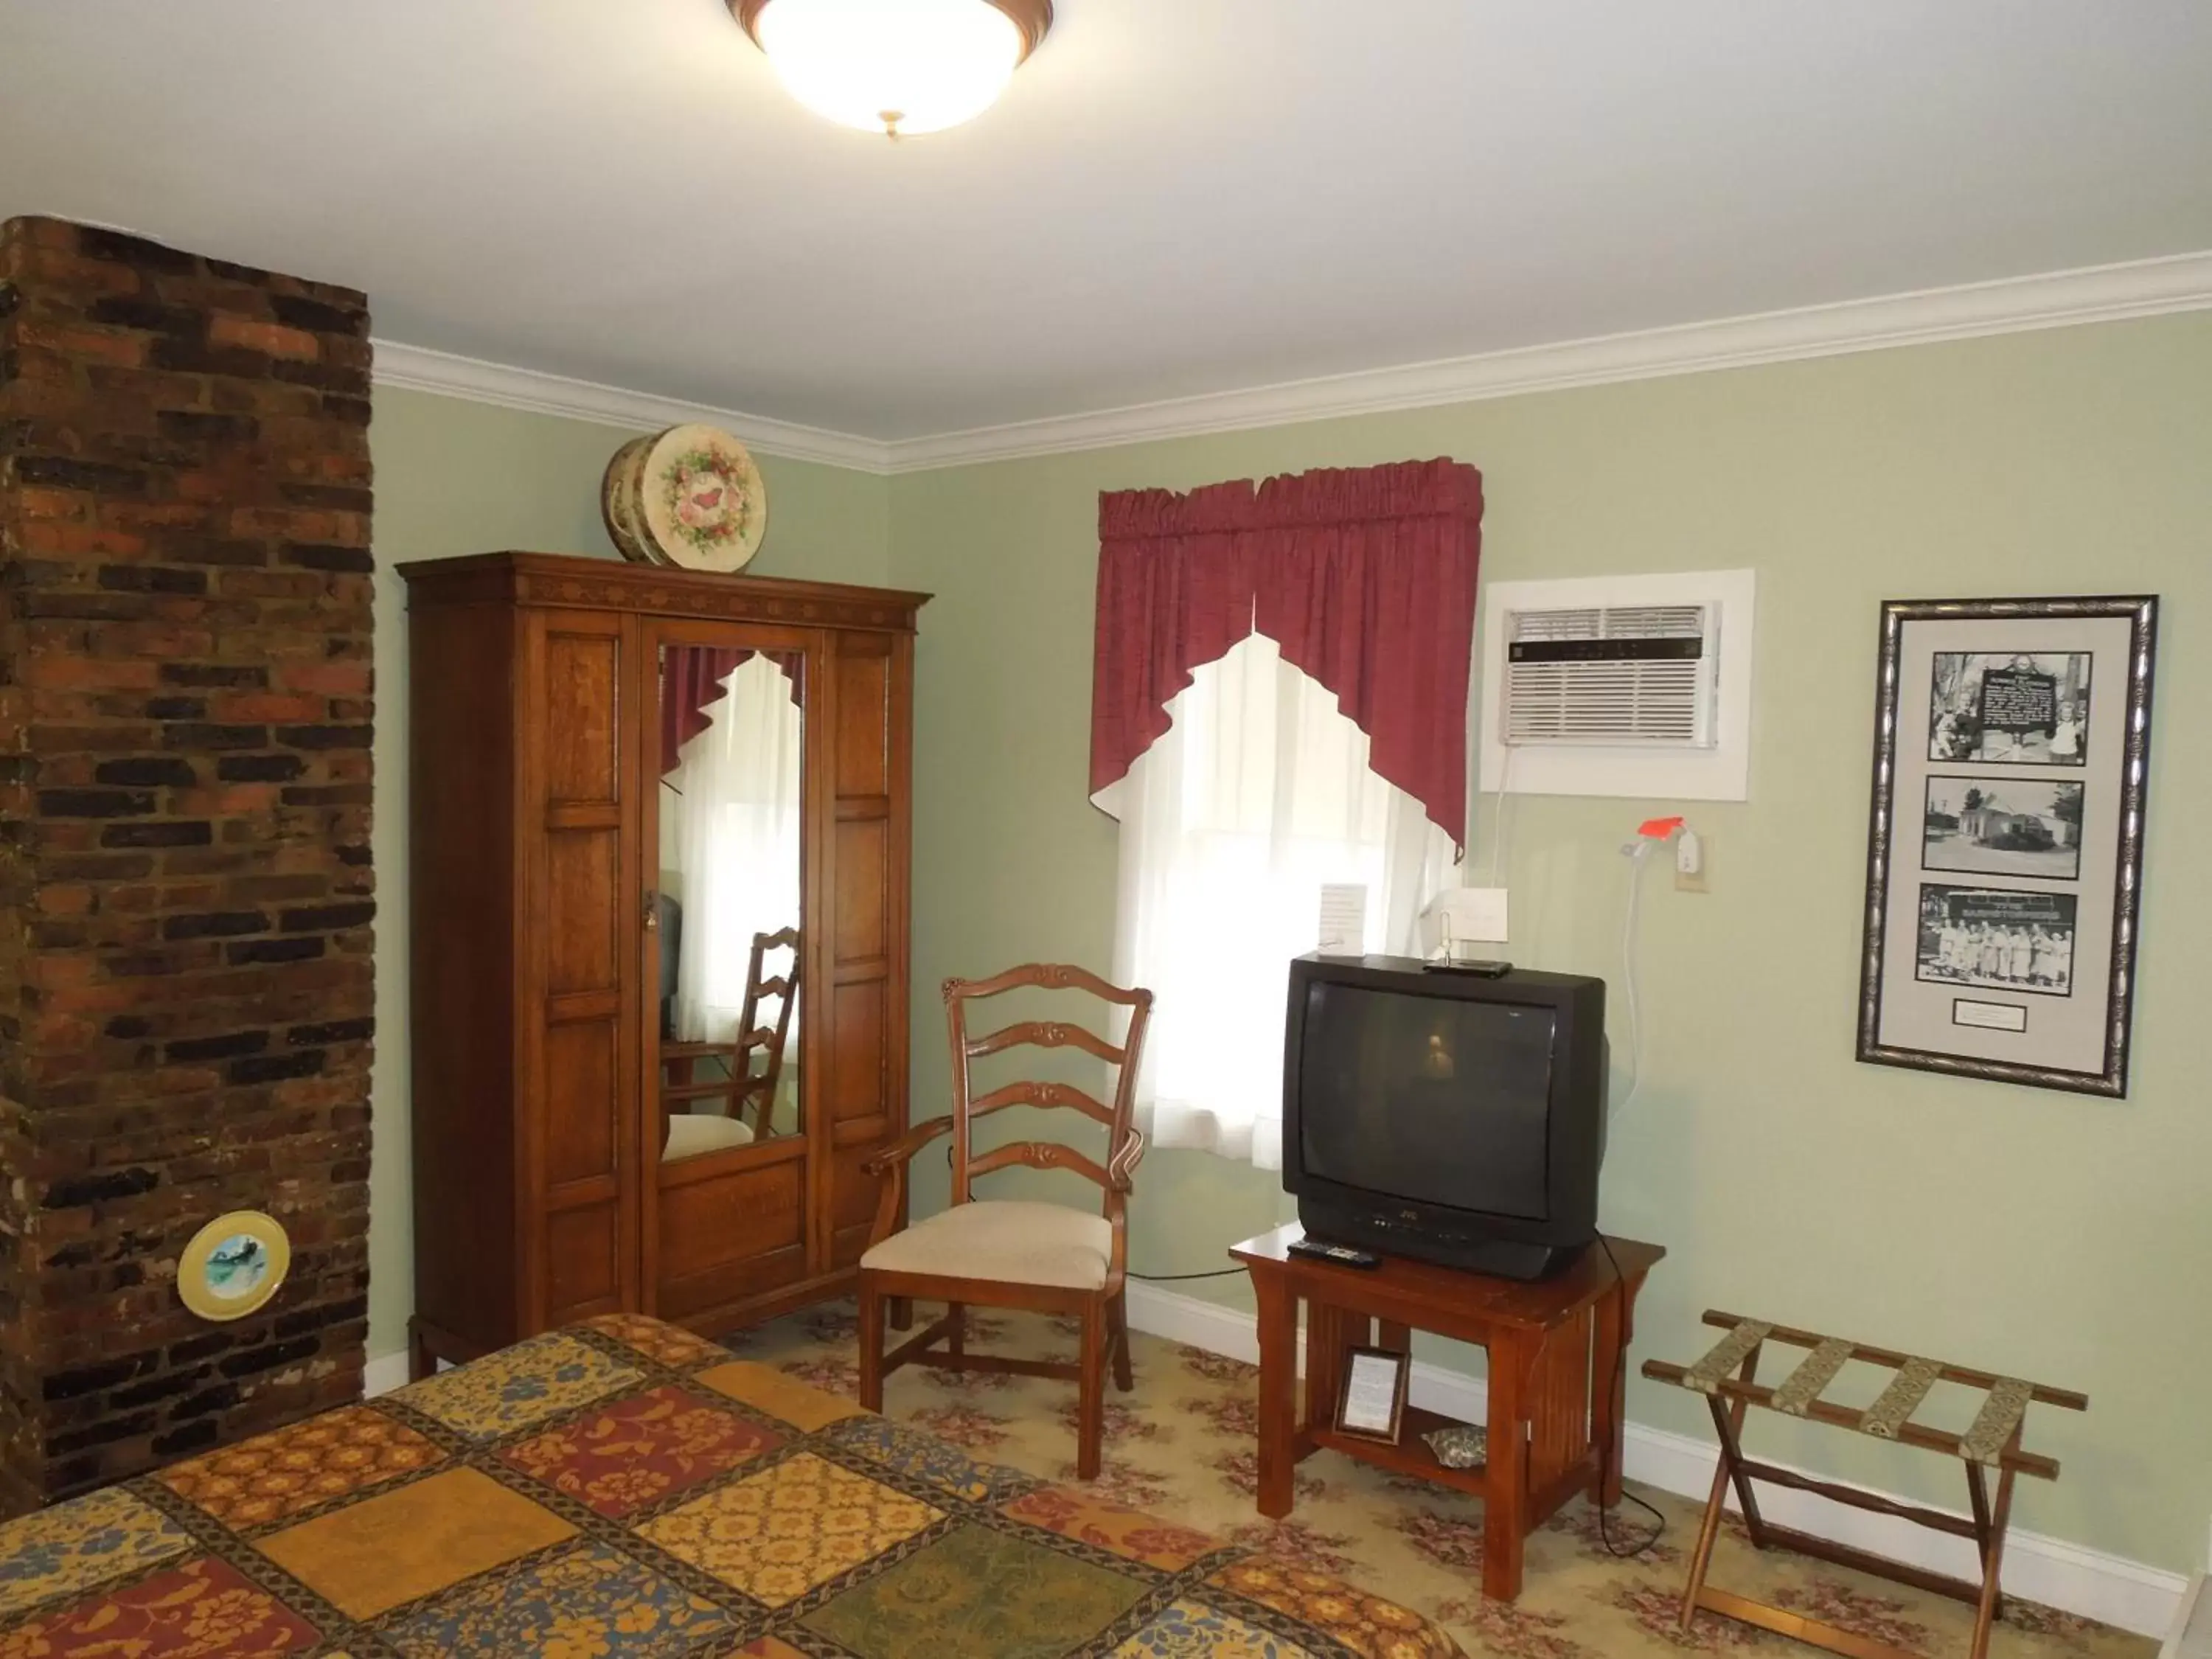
x=1231, y=824
x=734, y=807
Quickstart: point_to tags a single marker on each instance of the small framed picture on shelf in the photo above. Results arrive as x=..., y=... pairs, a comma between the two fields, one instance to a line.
x=1372, y=1405
x=2005, y=854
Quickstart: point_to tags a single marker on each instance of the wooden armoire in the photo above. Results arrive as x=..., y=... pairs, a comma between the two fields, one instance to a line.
x=622, y=779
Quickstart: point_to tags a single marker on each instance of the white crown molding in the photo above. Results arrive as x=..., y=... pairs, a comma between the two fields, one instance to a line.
x=2147, y=287
x=2110, y=1588
x=418, y=368
x=2101, y=294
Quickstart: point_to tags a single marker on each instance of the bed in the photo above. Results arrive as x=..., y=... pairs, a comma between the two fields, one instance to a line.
x=624, y=1489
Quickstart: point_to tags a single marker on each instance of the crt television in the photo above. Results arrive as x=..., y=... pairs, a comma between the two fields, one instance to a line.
x=1445, y=1115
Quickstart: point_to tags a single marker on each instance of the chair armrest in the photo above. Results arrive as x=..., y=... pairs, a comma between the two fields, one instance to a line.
x=897, y=1155
x=890, y=1166
x=1121, y=1169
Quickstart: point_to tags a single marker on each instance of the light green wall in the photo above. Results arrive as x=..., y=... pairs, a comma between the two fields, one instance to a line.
x=2042, y=1234
x=454, y=477
x=2048, y=1235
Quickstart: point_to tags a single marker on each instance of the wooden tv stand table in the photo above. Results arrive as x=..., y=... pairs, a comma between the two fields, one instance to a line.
x=1557, y=1349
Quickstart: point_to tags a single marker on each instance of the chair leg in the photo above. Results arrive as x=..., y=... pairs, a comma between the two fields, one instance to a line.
x=1117, y=1333
x=956, y=1342
x=871, y=1348
x=1090, y=1410
x=901, y=1313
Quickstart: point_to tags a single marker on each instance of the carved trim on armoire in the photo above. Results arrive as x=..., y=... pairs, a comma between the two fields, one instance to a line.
x=565, y=581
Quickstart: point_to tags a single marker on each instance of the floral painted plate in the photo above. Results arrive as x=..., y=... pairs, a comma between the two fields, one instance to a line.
x=699, y=499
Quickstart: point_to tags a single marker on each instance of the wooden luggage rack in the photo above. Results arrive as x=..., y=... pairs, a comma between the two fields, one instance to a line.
x=1727, y=1376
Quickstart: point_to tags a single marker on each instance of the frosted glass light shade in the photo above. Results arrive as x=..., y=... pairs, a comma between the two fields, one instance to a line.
x=895, y=66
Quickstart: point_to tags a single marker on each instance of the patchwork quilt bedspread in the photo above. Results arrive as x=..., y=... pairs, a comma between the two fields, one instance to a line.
x=624, y=1489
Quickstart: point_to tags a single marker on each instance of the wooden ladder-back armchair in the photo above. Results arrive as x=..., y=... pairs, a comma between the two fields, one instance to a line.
x=1047, y=1258
x=745, y=1089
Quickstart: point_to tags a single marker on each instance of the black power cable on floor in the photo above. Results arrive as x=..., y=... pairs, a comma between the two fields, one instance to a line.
x=1605, y=1453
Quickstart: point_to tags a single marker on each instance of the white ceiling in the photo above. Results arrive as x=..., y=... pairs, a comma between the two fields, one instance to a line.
x=1176, y=196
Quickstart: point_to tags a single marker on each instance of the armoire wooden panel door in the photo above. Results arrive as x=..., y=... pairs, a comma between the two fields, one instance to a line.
x=867, y=928
x=577, y=1150
x=578, y=1058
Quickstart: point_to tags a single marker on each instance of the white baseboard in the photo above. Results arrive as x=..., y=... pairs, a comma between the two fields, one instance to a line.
x=384, y=1374
x=2110, y=1588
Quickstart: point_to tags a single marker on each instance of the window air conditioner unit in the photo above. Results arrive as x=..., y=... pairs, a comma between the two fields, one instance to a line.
x=1644, y=676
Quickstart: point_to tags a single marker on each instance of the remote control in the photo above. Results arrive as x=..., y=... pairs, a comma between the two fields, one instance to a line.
x=1343, y=1255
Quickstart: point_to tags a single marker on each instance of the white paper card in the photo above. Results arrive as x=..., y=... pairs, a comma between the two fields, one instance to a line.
x=1988, y=1016
x=1372, y=1391
x=1343, y=919
x=1472, y=915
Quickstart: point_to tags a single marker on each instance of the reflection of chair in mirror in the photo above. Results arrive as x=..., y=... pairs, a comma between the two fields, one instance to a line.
x=668, y=924
x=1011, y=1254
x=750, y=1064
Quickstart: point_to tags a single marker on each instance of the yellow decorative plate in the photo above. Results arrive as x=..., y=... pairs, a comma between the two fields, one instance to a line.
x=699, y=499
x=233, y=1265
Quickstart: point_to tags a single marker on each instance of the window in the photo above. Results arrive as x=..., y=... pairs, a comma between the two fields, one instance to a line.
x=1259, y=792
x=1278, y=701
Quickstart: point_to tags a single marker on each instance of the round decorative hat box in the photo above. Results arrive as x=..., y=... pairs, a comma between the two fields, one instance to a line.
x=689, y=496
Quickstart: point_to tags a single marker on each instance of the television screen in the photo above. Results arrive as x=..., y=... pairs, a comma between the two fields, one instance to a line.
x=1431, y=1099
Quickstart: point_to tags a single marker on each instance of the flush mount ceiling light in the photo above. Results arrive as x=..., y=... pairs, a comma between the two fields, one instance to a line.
x=895, y=66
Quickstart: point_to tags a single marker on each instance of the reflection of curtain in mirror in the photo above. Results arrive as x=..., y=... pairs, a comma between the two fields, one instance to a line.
x=736, y=842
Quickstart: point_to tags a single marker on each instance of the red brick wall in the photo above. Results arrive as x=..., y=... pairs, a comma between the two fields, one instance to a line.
x=186, y=895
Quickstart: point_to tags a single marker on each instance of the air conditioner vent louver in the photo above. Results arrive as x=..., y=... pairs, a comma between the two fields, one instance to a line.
x=1612, y=622
x=1624, y=676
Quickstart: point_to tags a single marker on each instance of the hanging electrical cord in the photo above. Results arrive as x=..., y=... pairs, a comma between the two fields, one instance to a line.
x=1640, y=852
x=1497, y=816
x=1606, y=1454
x=1179, y=1279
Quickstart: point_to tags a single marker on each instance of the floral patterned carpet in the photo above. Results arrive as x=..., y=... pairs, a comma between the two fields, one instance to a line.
x=1182, y=1447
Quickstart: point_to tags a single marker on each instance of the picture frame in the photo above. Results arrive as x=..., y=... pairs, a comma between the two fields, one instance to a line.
x=1373, y=1376
x=2005, y=840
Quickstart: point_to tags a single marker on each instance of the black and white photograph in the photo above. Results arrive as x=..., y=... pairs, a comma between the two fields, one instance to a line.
x=2003, y=827
x=2000, y=941
x=2005, y=838
x=2010, y=709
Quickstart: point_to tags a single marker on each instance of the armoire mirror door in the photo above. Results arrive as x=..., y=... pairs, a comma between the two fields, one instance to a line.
x=725, y=1094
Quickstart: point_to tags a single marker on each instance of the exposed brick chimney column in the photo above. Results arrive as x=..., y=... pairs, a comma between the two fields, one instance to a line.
x=185, y=895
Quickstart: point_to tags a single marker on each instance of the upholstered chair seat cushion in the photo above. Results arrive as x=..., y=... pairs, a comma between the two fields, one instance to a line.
x=690, y=1134
x=1013, y=1242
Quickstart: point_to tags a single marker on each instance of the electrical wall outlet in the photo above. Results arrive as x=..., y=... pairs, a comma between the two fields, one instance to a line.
x=1693, y=863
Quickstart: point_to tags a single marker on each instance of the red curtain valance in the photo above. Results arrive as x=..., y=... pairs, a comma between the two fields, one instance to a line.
x=691, y=678
x=1365, y=578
